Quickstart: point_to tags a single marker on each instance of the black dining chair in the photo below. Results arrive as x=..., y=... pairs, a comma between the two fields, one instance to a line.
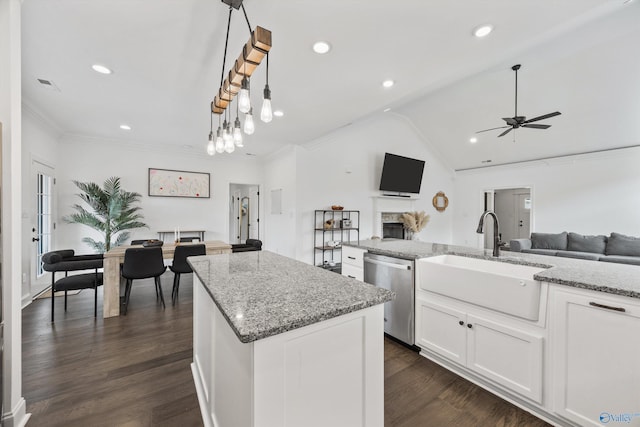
x=142, y=263
x=180, y=264
x=66, y=260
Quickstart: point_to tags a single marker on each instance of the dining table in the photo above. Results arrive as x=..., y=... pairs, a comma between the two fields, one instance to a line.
x=114, y=258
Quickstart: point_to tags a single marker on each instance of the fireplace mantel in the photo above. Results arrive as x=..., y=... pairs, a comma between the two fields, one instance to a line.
x=389, y=204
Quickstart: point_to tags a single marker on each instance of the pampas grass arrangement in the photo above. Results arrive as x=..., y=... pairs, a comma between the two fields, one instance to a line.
x=414, y=221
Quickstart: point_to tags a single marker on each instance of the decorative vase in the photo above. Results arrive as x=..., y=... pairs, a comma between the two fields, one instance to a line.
x=414, y=236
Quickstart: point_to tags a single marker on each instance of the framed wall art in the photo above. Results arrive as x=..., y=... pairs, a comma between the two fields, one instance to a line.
x=173, y=183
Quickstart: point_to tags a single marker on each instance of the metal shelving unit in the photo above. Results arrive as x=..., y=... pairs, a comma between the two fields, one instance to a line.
x=345, y=228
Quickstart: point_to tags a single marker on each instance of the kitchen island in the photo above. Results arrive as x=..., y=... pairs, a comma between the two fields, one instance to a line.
x=281, y=343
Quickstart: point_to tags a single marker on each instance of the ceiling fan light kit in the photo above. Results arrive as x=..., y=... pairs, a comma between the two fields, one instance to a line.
x=517, y=121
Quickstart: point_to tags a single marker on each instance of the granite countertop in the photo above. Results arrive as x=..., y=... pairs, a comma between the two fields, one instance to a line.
x=620, y=279
x=261, y=293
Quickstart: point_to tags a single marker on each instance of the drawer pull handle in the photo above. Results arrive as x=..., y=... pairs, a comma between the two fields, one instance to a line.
x=608, y=307
x=461, y=323
x=353, y=277
x=351, y=257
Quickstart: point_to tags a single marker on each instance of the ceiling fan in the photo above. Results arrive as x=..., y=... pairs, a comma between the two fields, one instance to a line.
x=517, y=121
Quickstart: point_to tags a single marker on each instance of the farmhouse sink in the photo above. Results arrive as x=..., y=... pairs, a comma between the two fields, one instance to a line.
x=500, y=286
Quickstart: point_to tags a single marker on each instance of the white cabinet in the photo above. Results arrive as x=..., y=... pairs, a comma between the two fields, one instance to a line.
x=353, y=262
x=508, y=356
x=595, y=344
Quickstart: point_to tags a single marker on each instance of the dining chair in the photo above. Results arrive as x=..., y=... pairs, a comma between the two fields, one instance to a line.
x=66, y=260
x=180, y=264
x=142, y=263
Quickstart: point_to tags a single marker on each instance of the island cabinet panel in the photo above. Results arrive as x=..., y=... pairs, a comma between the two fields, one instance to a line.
x=330, y=373
x=595, y=347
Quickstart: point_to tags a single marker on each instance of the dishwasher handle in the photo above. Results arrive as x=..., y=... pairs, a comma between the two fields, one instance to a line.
x=388, y=264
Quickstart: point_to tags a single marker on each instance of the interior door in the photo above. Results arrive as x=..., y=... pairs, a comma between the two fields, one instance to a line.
x=43, y=223
x=523, y=229
x=513, y=208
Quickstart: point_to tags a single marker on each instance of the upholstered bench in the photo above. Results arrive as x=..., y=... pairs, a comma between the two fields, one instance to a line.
x=250, y=245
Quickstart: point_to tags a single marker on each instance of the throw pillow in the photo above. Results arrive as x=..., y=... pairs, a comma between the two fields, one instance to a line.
x=549, y=241
x=619, y=244
x=579, y=243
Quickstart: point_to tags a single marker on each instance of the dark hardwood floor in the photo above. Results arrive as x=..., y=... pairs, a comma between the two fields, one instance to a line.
x=133, y=371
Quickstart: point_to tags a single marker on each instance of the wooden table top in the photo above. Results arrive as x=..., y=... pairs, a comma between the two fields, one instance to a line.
x=169, y=248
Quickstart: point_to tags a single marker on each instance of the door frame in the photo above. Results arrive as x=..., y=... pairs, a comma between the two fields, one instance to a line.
x=37, y=284
x=488, y=243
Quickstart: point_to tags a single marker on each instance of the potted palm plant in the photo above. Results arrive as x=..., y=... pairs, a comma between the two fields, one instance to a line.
x=112, y=212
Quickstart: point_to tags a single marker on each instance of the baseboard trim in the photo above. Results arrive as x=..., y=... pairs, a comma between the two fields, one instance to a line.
x=18, y=417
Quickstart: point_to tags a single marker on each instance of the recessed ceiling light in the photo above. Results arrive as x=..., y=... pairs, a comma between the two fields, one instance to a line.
x=473, y=140
x=125, y=127
x=388, y=83
x=187, y=147
x=278, y=113
x=386, y=110
x=483, y=30
x=101, y=69
x=321, y=47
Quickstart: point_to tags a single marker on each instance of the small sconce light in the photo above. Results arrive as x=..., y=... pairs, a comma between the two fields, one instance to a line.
x=440, y=201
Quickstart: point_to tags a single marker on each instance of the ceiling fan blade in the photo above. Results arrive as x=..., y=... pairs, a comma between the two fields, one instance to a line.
x=505, y=132
x=486, y=130
x=536, y=126
x=546, y=116
x=510, y=120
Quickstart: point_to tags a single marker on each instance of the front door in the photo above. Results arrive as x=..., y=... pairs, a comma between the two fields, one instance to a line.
x=43, y=225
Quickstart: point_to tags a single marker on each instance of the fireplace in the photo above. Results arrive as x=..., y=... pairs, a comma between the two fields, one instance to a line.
x=392, y=228
x=387, y=212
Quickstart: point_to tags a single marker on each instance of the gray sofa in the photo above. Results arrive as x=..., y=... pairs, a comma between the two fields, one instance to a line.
x=616, y=248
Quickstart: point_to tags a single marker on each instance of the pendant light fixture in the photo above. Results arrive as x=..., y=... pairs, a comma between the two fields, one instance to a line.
x=237, y=132
x=266, y=114
x=237, y=82
x=211, y=148
x=219, y=141
x=249, y=126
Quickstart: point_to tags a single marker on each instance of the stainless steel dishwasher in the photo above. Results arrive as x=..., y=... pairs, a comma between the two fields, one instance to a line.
x=395, y=274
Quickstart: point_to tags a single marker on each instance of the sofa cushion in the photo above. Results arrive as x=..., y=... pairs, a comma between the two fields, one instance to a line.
x=619, y=244
x=579, y=243
x=621, y=259
x=549, y=241
x=579, y=255
x=550, y=252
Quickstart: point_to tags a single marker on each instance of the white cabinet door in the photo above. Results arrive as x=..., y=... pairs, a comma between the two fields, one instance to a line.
x=507, y=356
x=442, y=330
x=595, y=353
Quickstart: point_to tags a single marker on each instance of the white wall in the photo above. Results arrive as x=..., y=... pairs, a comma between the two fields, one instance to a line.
x=280, y=228
x=587, y=194
x=88, y=159
x=344, y=169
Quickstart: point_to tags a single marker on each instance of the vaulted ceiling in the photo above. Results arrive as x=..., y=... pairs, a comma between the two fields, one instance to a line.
x=167, y=58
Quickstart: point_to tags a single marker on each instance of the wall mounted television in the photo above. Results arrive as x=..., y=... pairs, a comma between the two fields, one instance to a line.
x=401, y=174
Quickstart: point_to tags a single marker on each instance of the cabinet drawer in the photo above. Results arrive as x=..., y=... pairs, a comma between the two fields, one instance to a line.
x=353, y=256
x=353, y=272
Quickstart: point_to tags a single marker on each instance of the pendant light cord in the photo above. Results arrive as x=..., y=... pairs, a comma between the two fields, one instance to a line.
x=246, y=17
x=226, y=44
